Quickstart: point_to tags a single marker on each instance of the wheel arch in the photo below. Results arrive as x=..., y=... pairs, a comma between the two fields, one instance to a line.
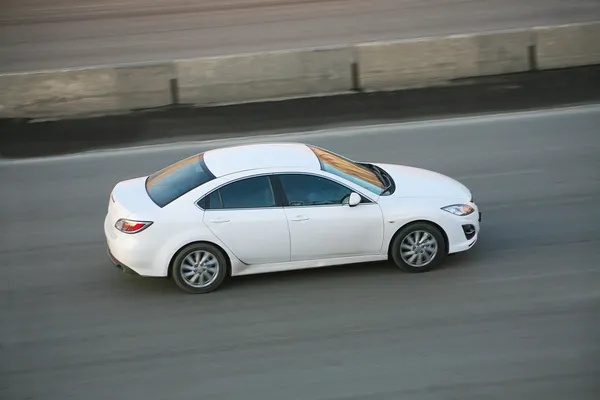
x=420, y=221
x=225, y=254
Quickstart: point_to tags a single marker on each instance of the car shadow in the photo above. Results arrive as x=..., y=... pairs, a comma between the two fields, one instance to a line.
x=333, y=276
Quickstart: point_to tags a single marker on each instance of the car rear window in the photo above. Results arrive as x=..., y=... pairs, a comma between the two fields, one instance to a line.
x=177, y=179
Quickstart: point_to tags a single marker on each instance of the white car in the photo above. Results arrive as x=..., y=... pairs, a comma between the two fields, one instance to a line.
x=283, y=206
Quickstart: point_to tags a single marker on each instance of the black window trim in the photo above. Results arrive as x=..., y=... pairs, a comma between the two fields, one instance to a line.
x=274, y=188
x=365, y=200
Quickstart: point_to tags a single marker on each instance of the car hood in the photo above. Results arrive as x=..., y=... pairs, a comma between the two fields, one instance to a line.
x=418, y=182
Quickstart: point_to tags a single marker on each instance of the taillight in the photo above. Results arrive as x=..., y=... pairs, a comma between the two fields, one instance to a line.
x=129, y=226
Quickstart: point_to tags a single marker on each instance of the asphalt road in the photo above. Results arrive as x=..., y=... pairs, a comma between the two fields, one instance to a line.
x=38, y=34
x=516, y=318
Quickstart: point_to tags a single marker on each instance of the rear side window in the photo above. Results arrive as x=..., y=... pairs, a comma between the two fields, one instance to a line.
x=255, y=192
x=213, y=201
x=174, y=181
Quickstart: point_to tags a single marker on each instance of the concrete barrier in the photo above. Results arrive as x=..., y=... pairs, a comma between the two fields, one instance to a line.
x=296, y=73
x=437, y=60
x=568, y=45
x=74, y=92
x=503, y=52
x=264, y=76
x=144, y=86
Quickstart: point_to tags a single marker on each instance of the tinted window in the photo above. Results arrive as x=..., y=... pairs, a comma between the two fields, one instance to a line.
x=213, y=201
x=248, y=193
x=310, y=190
x=348, y=169
x=174, y=181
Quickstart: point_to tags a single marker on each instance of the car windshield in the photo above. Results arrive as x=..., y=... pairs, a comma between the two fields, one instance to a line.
x=174, y=181
x=348, y=169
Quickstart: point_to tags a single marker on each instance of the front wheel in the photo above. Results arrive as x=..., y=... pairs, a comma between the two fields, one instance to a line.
x=199, y=268
x=418, y=247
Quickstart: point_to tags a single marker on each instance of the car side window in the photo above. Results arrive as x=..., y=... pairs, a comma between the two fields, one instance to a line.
x=213, y=201
x=255, y=192
x=309, y=190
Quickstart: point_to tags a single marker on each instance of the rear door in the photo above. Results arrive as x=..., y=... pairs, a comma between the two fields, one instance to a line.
x=246, y=217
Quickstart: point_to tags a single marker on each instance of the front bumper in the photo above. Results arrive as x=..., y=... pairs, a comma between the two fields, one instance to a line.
x=464, y=232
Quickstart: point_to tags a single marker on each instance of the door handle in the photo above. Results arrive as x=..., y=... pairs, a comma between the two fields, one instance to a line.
x=300, y=218
x=219, y=220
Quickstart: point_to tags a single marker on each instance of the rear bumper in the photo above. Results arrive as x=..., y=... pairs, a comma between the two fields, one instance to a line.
x=119, y=264
x=132, y=253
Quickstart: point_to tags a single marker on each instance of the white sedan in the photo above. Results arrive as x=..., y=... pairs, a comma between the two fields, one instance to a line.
x=283, y=206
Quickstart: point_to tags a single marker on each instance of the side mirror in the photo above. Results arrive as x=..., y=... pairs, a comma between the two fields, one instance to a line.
x=354, y=199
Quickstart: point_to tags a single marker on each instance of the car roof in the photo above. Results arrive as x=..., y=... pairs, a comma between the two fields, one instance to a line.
x=228, y=160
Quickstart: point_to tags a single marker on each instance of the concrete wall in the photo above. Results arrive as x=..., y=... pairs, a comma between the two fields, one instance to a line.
x=248, y=77
x=88, y=91
x=437, y=60
x=296, y=73
x=568, y=45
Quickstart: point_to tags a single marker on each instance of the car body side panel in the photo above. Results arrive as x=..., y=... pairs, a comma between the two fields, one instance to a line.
x=150, y=252
x=402, y=211
x=255, y=236
x=322, y=232
x=242, y=269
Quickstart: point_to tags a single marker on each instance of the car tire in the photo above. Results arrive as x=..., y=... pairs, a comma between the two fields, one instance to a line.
x=428, y=234
x=185, y=271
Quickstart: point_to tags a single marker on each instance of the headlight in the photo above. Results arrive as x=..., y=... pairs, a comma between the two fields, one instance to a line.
x=459, y=209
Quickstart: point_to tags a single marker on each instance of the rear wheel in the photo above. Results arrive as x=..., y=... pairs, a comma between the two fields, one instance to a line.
x=418, y=247
x=199, y=268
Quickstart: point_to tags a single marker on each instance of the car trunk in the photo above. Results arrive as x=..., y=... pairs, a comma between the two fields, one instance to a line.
x=129, y=199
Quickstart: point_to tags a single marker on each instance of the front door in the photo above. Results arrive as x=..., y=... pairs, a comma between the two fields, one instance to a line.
x=322, y=224
x=244, y=216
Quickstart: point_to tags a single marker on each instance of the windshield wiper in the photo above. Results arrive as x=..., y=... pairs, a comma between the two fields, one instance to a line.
x=389, y=178
x=387, y=188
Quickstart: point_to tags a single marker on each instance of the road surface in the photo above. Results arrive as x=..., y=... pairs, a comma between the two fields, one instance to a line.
x=40, y=34
x=516, y=318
